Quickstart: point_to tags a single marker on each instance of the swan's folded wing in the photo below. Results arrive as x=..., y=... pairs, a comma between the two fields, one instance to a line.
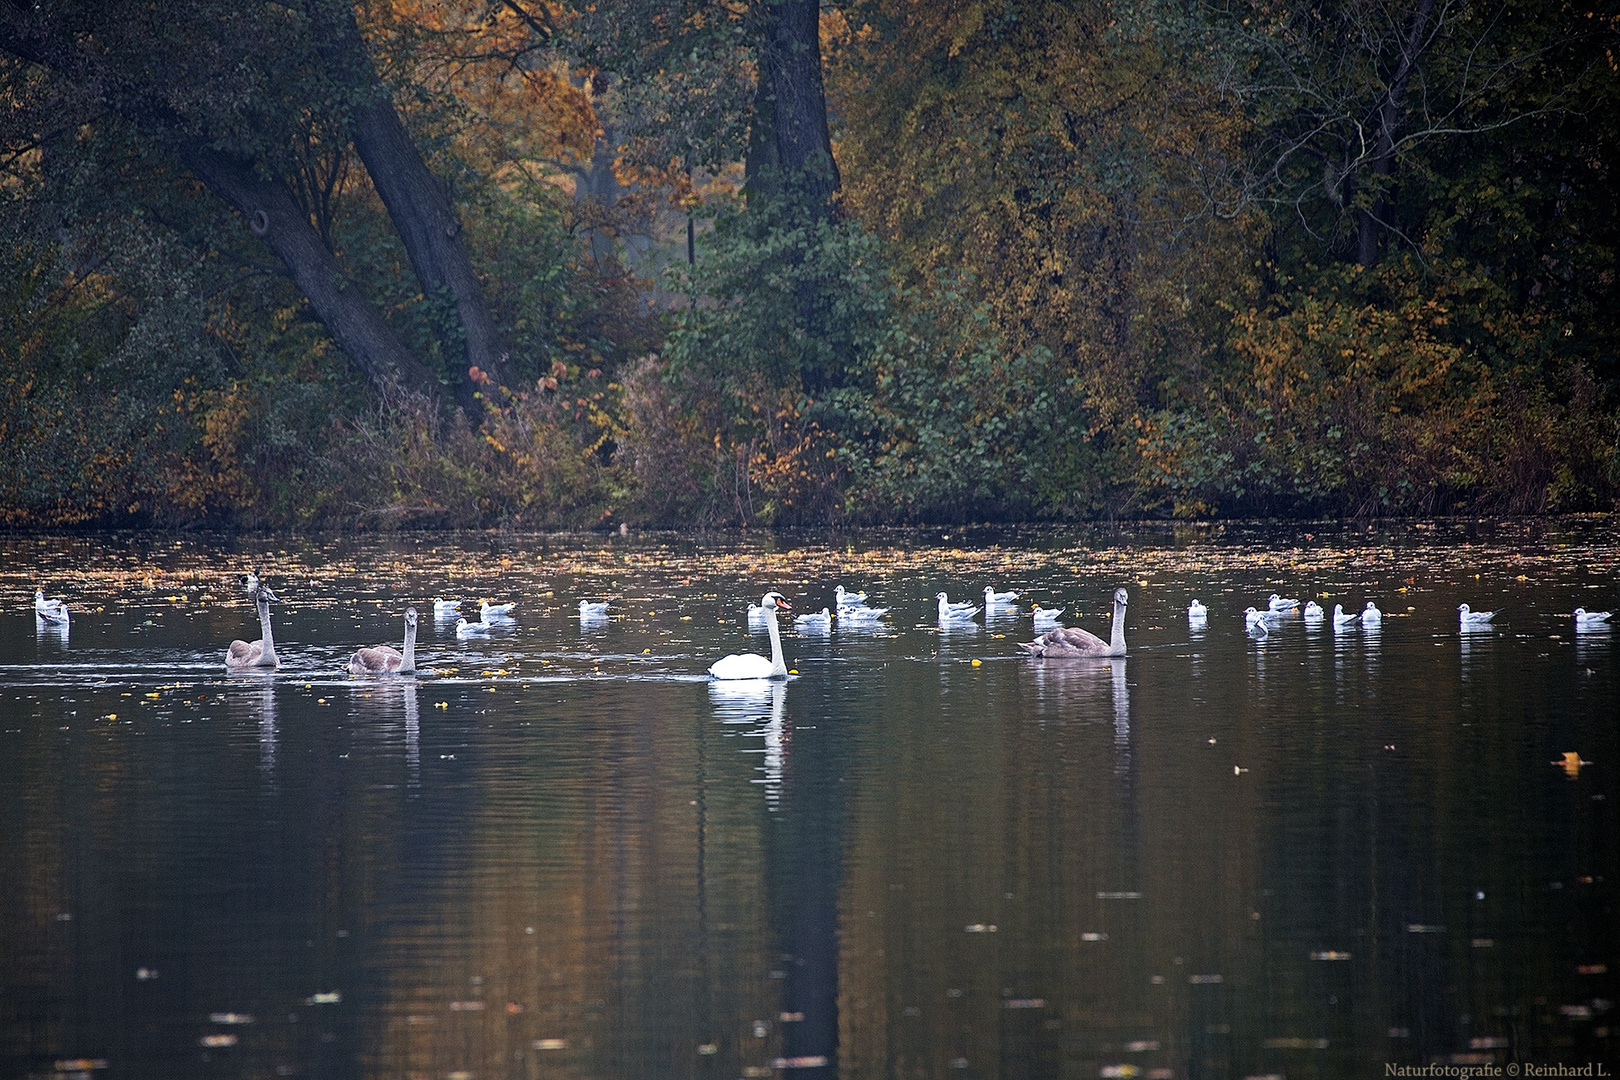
x=377, y=658
x=1073, y=637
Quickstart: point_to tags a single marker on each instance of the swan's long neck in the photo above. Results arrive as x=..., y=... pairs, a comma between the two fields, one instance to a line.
x=269, y=653
x=407, y=665
x=778, y=665
x=1116, y=639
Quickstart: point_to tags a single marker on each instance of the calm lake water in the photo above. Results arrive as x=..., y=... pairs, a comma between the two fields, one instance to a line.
x=560, y=851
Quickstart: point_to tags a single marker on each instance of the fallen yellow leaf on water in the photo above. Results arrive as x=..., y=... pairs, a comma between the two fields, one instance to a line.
x=1571, y=763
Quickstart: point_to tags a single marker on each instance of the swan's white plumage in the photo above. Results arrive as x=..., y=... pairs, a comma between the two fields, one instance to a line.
x=753, y=665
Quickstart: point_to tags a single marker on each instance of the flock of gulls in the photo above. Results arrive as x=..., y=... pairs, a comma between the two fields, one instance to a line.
x=1260, y=621
x=1057, y=640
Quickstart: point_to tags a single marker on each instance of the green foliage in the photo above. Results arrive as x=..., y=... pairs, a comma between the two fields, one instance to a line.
x=807, y=368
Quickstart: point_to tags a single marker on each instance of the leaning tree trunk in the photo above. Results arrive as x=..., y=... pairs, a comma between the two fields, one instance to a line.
x=418, y=202
x=271, y=211
x=276, y=218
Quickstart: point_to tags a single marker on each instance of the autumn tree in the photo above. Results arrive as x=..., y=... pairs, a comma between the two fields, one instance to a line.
x=238, y=95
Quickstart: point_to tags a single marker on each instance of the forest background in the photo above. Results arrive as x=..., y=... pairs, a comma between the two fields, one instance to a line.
x=543, y=263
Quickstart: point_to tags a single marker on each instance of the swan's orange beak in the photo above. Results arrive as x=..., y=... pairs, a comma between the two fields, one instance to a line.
x=783, y=604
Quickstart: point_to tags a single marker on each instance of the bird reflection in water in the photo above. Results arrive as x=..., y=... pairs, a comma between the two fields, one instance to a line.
x=50, y=637
x=762, y=701
x=388, y=702
x=265, y=707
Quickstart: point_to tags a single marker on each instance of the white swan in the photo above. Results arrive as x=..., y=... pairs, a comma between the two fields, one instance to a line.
x=244, y=655
x=1279, y=604
x=753, y=665
x=1371, y=616
x=385, y=659
x=949, y=612
x=1070, y=641
x=1340, y=619
x=468, y=629
x=446, y=608
x=1592, y=620
x=488, y=611
x=52, y=611
x=1473, y=620
x=1046, y=616
x=843, y=599
x=998, y=599
x=1314, y=612
x=590, y=610
x=1197, y=612
x=815, y=620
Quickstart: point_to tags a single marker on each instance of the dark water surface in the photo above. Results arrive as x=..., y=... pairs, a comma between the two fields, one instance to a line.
x=560, y=851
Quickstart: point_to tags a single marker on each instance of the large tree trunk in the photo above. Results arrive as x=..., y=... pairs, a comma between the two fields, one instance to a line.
x=1372, y=221
x=418, y=202
x=789, y=148
x=277, y=219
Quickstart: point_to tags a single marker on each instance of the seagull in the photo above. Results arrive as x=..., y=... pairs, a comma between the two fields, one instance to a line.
x=1047, y=616
x=1371, y=616
x=468, y=629
x=1584, y=620
x=1314, y=612
x=949, y=612
x=446, y=608
x=1252, y=618
x=1197, y=612
x=814, y=620
x=842, y=599
x=1473, y=620
x=51, y=611
x=487, y=611
x=589, y=610
x=861, y=613
x=1340, y=619
x=1280, y=605
x=997, y=599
